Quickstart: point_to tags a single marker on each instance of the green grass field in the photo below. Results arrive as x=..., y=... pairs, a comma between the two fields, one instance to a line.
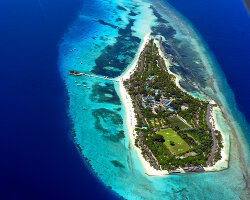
x=177, y=122
x=180, y=145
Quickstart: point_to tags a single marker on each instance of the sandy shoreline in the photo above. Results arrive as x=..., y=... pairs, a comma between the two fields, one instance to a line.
x=131, y=119
x=223, y=162
x=130, y=114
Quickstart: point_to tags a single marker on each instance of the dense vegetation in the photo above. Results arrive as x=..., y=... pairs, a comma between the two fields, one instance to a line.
x=160, y=104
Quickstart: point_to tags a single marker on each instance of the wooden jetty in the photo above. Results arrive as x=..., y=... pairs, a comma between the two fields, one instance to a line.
x=76, y=73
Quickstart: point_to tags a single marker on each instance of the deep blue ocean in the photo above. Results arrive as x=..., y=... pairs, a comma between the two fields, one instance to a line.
x=38, y=158
x=225, y=26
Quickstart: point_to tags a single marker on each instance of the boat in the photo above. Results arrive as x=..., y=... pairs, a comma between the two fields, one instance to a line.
x=84, y=108
x=175, y=172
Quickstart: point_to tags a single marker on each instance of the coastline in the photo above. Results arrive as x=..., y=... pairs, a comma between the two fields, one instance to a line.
x=131, y=119
x=223, y=163
x=130, y=114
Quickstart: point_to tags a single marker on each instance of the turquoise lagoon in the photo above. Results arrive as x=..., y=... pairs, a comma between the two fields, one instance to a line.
x=104, y=40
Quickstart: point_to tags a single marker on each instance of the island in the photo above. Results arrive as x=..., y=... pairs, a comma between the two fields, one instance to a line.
x=171, y=130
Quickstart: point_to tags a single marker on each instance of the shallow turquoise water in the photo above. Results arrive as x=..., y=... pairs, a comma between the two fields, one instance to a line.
x=104, y=40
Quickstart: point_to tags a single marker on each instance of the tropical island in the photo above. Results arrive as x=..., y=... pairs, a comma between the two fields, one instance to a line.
x=172, y=131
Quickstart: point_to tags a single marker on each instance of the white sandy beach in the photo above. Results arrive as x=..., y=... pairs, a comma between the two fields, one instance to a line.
x=223, y=162
x=131, y=119
x=130, y=114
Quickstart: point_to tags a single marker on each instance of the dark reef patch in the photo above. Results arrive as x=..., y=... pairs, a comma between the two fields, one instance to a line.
x=117, y=137
x=132, y=13
x=165, y=30
x=107, y=24
x=118, y=109
x=160, y=19
x=188, y=64
x=186, y=61
x=104, y=94
x=117, y=164
x=118, y=19
x=121, y=8
x=119, y=55
x=109, y=123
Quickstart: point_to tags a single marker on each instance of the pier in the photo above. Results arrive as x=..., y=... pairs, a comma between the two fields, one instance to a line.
x=75, y=73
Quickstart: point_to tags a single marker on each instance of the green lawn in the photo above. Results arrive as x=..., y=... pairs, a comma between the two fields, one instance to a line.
x=180, y=145
x=177, y=122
